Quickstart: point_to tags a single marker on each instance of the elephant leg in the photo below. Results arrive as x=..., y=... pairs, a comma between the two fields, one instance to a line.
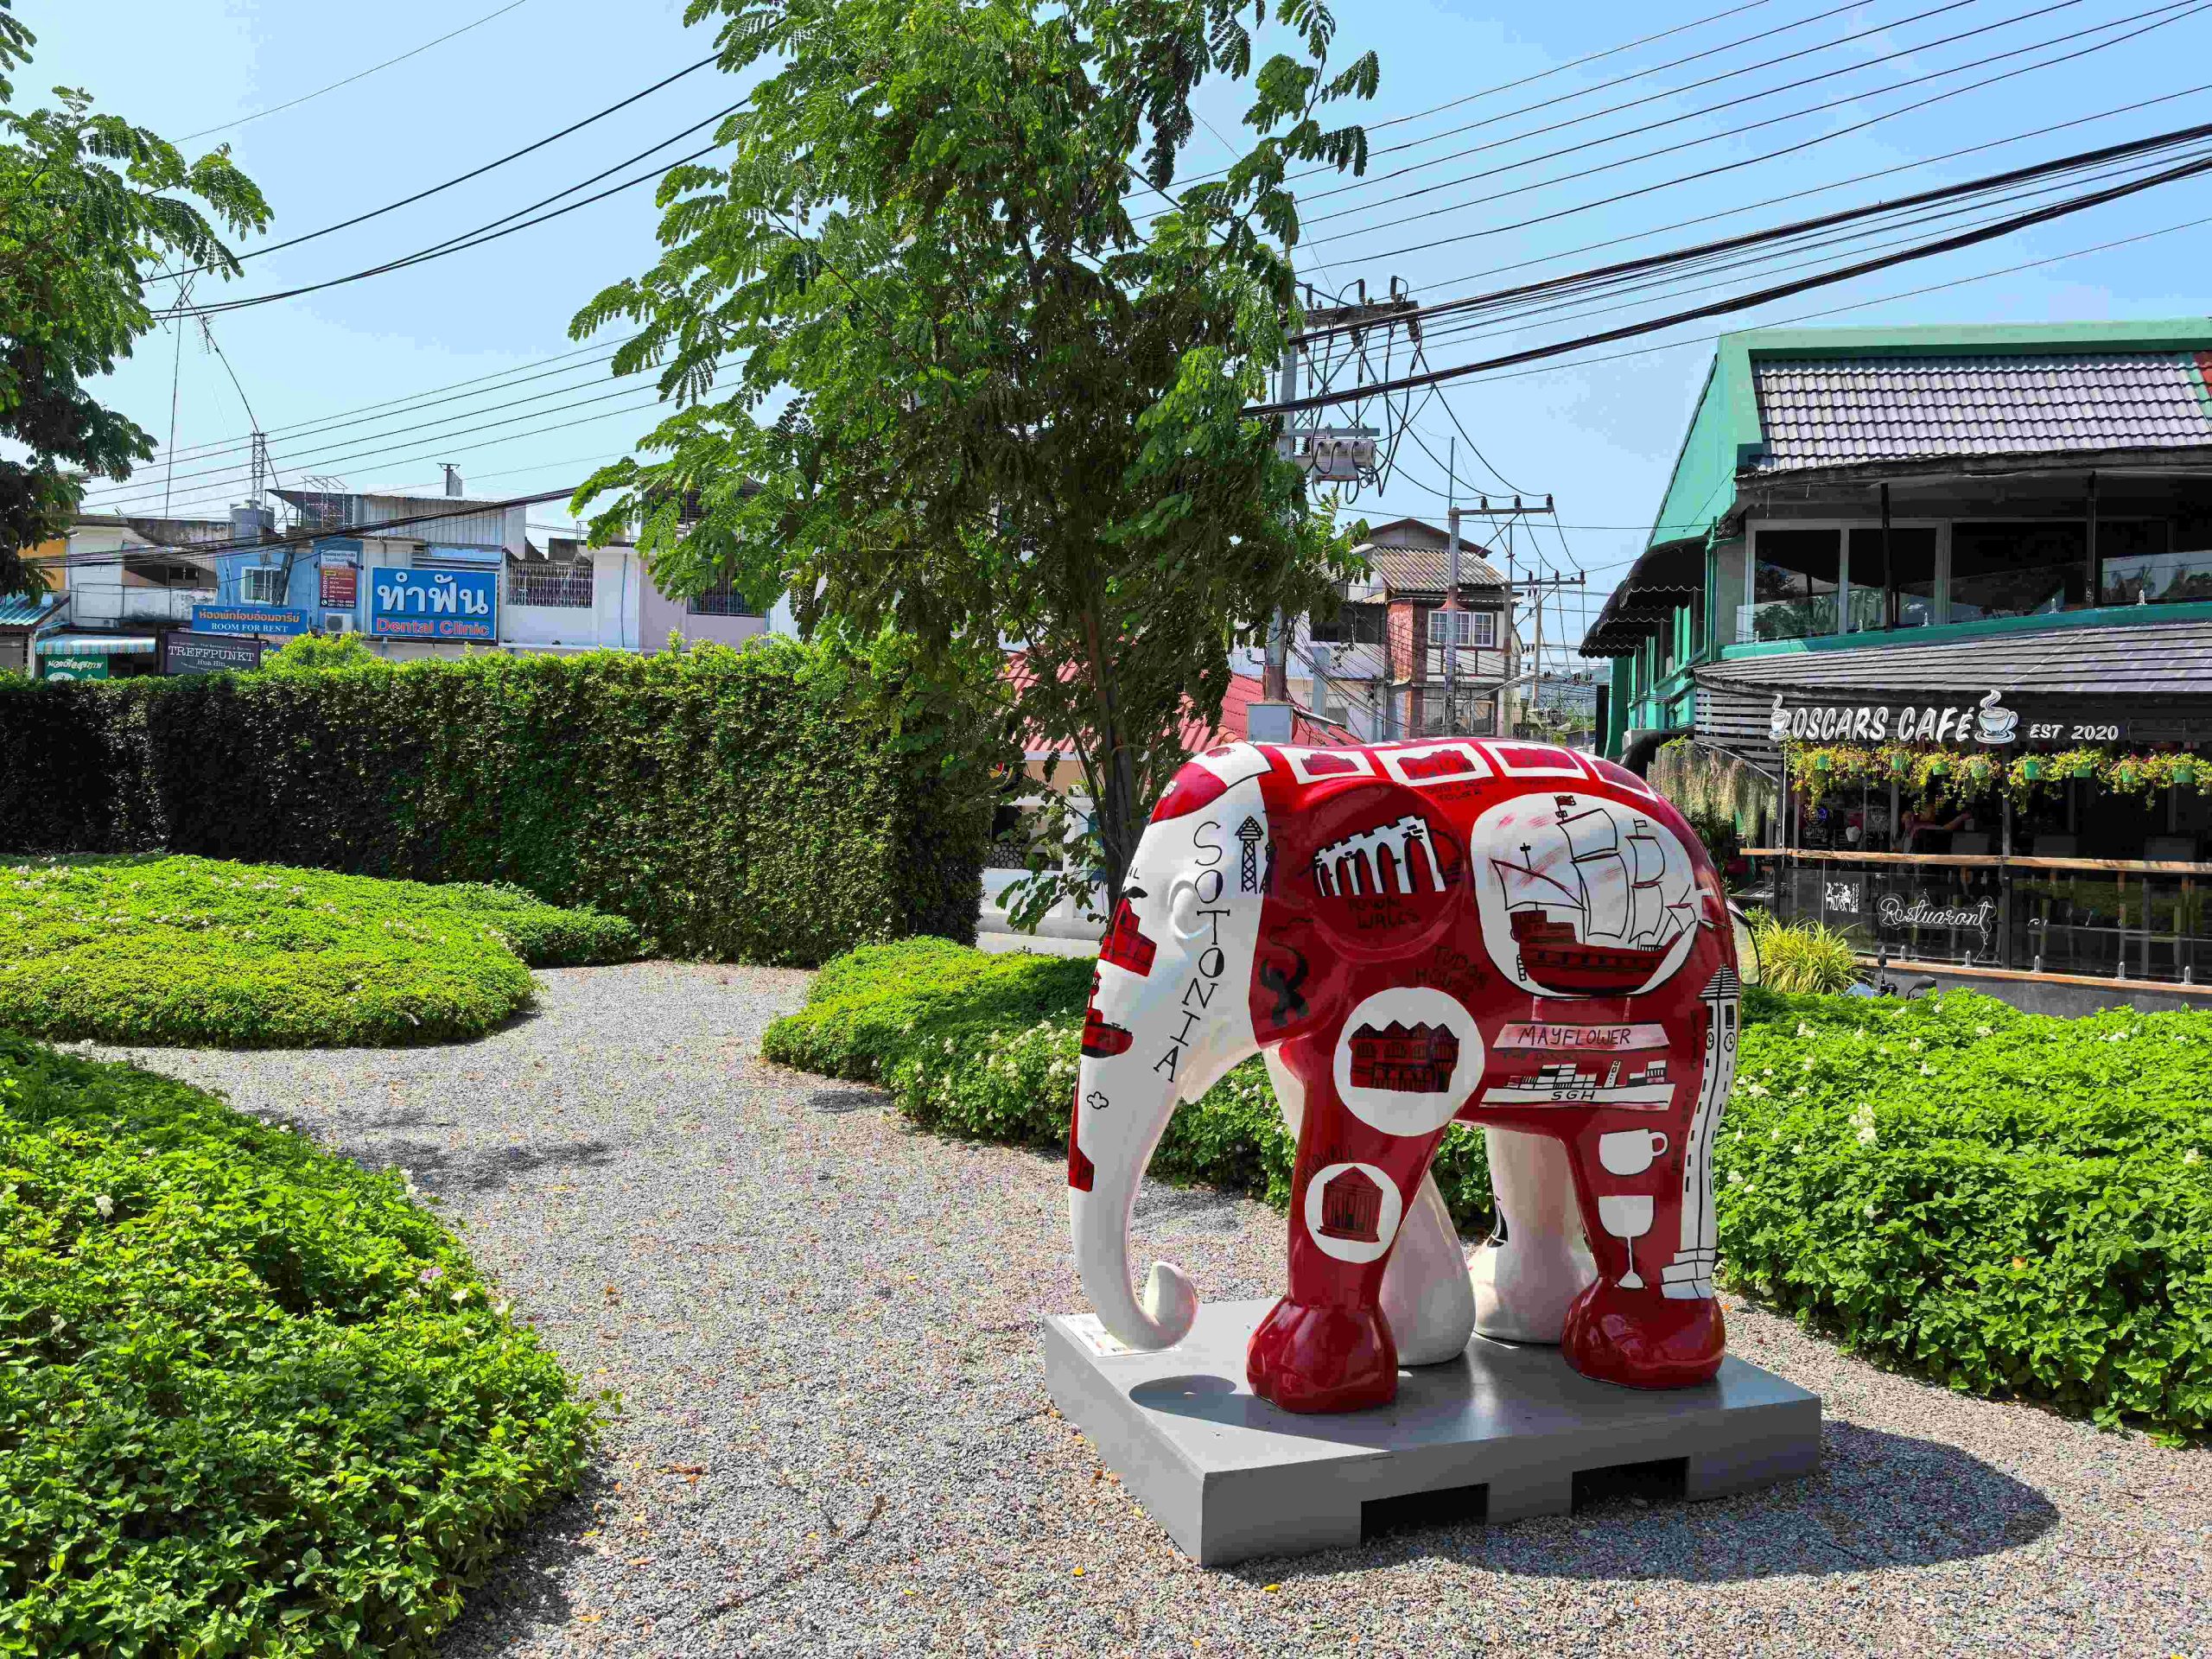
x=1426, y=1296
x=1632, y=1327
x=1536, y=1264
x=1327, y=1346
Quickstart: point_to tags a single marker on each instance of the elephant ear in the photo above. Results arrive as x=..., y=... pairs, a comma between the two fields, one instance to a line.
x=1372, y=870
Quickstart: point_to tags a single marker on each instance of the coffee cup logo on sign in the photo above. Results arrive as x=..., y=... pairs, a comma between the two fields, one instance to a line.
x=1630, y=1151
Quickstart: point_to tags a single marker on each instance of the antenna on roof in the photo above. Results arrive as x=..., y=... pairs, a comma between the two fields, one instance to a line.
x=452, y=478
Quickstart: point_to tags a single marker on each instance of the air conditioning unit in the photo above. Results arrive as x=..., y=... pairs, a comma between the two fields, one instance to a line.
x=338, y=622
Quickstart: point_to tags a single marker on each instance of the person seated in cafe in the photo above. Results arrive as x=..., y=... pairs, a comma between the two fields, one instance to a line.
x=1927, y=835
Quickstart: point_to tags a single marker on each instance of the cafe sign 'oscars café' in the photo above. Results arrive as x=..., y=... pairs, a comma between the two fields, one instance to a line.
x=1936, y=603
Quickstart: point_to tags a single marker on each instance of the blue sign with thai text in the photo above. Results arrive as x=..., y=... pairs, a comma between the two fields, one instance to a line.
x=435, y=604
x=248, y=619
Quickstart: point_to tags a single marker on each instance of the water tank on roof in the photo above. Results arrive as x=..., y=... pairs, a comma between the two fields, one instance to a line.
x=252, y=523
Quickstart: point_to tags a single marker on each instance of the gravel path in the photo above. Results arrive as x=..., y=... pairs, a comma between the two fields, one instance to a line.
x=836, y=1438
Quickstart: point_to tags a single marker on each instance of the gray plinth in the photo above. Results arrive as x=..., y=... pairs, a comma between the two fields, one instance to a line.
x=1230, y=1475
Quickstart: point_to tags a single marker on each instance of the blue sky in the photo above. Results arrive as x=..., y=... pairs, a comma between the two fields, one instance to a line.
x=1600, y=435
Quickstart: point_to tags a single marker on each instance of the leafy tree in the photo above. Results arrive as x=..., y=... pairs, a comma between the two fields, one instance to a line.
x=88, y=204
x=974, y=401
x=321, y=650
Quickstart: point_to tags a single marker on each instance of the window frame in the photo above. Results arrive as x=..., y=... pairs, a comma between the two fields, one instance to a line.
x=1843, y=527
x=252, y=587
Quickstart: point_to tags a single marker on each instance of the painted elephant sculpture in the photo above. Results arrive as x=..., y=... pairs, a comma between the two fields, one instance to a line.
x=1512, y=934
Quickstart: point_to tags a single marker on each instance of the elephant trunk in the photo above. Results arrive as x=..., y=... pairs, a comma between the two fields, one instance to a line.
x=1121, y=1111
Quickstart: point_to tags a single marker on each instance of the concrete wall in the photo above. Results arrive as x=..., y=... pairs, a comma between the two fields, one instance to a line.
x=659, y=616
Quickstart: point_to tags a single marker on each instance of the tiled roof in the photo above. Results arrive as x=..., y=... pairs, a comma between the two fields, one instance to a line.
x=1832, y=411
x=19, y=611
x=1306, y=727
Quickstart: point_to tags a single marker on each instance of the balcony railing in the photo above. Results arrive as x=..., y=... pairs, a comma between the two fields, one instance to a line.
x=2098, y=918
x=719, y=603
x=564, y=587
x=90, y=604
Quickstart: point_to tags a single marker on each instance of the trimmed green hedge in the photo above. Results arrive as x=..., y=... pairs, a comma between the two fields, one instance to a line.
x=253, y=1400
x=779, y=804
x=2007, y=1203
x=987, y=1045
x=195, y=951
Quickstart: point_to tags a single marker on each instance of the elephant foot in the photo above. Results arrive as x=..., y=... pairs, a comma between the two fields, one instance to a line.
x=1642, y=1340
x=1523, y=1291
x=1314, y=1357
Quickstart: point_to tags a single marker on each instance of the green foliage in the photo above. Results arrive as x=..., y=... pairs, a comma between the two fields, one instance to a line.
x=1802, y=958
x=188, y=950
x=89, y=205
x=986, y=1045
x=917, y=239
x=2009, y=1202
x=254, y=1398
x=1712, y=787
x=324, y=651
x=779, y=804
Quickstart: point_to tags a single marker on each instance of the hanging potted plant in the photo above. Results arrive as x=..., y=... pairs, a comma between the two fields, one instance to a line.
x=2130, y=774
x=1895, y=761
x=1929, y=773
x=1980, y=769
x=2026, y=774
x=2178, y=769
x=2073, y=763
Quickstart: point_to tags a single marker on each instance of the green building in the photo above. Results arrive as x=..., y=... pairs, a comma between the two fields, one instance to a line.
x=1908, y=575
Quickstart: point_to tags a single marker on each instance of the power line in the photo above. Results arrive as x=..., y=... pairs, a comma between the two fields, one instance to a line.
x=1561, y=68
x=416, y=399
x=2078, y=162
x=400, y=431
x=2173, y=11
x=1676, y=92
x=1821, y=189
x=360, y=74
x=1922, y=251
x=1611, y=277
x=441, y=442
x=463, y=178
x=488, y=232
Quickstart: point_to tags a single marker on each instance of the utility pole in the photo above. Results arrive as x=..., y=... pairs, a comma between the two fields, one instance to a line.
x=1275, y=677
x=1451, y=611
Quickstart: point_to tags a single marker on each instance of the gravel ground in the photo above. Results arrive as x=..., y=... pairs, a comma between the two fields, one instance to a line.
x=836, y=1438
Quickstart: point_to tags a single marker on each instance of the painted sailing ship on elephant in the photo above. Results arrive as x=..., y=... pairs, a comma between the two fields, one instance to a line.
x=1594, y=900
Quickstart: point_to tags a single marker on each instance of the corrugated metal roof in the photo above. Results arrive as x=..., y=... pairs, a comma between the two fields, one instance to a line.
x=20, y=611
x=2154, y=660
x=1835, y=411
x=1410, y=557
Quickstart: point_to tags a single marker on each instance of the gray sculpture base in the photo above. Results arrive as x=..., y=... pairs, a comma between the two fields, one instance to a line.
x=1230, y=1475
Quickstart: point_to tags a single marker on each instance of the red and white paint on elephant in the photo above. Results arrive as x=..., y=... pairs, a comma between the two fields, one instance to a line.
x=1510, y=934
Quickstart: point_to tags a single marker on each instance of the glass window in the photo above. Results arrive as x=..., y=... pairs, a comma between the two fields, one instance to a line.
x=1477, y=629
x=723, y=598
x=2141, y=564
x=1793, y=579
x=2025, y=570
x=263, y=585
x=1357, y=622
x=1893, y=578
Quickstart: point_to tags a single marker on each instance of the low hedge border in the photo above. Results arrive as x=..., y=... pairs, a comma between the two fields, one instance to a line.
x=254, y=1398
x=202, y=952
x=2009, y=1203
